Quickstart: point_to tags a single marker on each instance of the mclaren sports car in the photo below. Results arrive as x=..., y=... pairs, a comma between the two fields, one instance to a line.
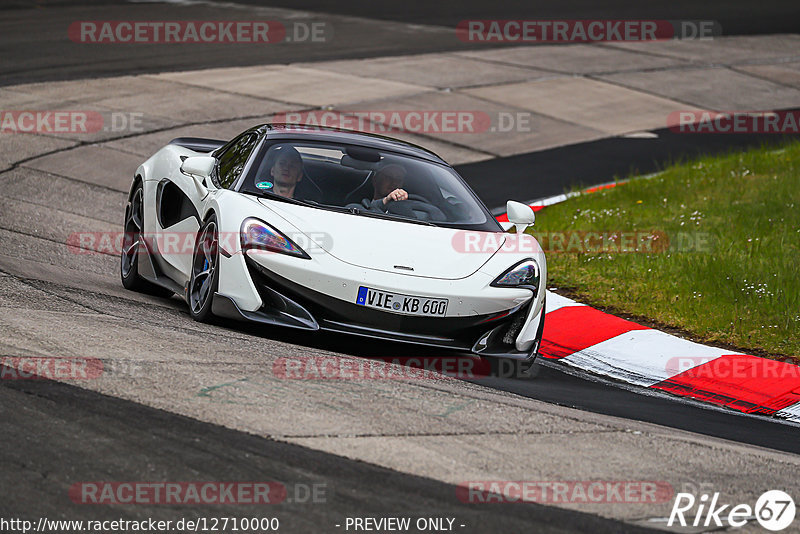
x=331, y=230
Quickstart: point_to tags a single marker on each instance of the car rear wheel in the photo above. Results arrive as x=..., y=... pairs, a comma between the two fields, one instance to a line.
x=132, y=248
x=205, y=273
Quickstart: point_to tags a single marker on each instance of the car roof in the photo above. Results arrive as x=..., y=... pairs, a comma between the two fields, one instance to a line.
x=324, y=133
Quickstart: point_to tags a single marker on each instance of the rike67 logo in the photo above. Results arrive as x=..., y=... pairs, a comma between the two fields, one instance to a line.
x=774, y=510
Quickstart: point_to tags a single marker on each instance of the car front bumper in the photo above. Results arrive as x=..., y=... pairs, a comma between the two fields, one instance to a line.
x=290, y=304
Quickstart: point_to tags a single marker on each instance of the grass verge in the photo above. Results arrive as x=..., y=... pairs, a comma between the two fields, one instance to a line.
x=710, y=247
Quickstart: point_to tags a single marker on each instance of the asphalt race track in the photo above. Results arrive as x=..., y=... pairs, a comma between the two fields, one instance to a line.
x=35, y=46
x=734, y=17
x=183, y=401
x=96, y=433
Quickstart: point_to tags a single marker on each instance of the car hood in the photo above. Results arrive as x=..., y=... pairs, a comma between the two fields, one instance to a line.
x=392, y=246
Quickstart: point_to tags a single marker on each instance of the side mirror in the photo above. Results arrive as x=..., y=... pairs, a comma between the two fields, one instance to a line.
x=520, y=215
x=199, y=168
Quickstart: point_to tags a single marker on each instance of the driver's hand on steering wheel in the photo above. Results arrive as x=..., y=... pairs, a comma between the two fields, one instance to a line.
x=397, y=194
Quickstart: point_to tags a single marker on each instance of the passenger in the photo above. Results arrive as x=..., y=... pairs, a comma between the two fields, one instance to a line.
x=287, y=171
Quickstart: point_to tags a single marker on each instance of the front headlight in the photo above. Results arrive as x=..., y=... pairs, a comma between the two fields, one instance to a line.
x=523, y=274
x=258, y=235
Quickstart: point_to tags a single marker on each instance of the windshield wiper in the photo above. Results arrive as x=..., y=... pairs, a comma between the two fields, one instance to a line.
x=328, y=206
x=378, y=215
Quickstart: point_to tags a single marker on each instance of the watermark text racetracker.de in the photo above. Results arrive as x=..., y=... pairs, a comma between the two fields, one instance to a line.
x=584, y=242
x=191, y=493
x=412, y=121
x=733, y=367
x=199, y=32
x=734, y=122
x=383, y=368
x=564, y=491
x=183, y=243
x=583, y=30
x=50, y=368
x=66, y=368
x=69, y=121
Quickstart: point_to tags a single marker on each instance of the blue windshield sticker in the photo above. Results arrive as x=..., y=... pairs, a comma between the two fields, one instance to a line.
x=264, y=185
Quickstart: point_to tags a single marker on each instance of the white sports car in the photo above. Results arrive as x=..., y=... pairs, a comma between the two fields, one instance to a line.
x=324, y=229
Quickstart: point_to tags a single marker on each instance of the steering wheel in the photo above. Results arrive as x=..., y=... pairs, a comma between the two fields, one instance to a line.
x=415, y=203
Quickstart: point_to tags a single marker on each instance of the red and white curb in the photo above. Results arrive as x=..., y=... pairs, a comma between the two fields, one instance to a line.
x=541, y=203
x=588, y=339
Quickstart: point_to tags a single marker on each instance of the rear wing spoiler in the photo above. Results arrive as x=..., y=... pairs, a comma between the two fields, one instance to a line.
x=198, y=144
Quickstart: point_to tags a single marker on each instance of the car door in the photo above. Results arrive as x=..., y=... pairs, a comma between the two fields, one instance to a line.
x=179, y=203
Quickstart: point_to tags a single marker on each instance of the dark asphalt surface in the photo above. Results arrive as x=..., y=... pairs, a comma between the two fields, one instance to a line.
x=54, y=435
x=555, y=386
x=35, y=45
x=735, y=17
x=552, y=172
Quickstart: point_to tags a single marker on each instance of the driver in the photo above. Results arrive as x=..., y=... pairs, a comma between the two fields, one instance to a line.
x=387, y=183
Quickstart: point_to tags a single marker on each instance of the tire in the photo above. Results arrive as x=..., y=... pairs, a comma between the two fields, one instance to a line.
x=205, y=272
x=130, y=255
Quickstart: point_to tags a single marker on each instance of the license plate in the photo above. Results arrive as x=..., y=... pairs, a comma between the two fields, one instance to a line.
x=399, y=303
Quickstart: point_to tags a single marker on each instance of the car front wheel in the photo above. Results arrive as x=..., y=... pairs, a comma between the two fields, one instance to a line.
x=205, y=272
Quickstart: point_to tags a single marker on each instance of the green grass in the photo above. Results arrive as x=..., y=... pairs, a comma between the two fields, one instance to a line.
x=742, y=288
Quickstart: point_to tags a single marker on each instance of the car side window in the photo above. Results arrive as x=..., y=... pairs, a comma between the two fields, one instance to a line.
x=233, y=160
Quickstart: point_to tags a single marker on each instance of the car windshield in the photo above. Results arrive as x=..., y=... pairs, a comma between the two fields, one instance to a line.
x=366, y=181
